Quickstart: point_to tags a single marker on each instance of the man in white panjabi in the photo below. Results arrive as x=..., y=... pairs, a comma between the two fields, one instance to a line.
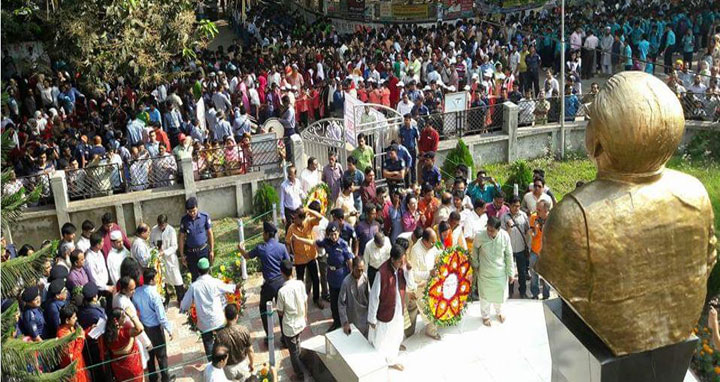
x=422, y=259
x=165, y=235
x=385, y=309
x=493, y=257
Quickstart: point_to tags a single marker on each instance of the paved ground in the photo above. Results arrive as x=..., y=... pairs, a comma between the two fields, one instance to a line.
x=185, y=351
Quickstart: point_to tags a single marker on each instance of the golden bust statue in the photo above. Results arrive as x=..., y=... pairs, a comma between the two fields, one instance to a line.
x=631, y=251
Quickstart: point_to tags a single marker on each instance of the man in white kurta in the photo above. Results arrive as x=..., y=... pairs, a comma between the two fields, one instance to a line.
x=422, y=259
x=165, y=235
x=493, y=257
x=387, y=336
x=115, y=257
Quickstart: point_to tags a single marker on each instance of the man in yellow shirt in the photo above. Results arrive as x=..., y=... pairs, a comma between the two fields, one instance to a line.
x=537, y=222
x=299, y=242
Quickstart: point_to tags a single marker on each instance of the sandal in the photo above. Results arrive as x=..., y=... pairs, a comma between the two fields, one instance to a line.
x=486, y=322
x=501, y=318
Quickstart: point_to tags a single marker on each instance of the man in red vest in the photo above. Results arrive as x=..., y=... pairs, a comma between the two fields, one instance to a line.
x=385, y=313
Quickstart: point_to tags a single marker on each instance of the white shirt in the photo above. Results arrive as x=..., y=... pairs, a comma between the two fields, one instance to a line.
x=140, y=251
x=591, y=42
x=207, y=292
x=83, y=244
x=308, y=179
x=291, y=195
x=213, y=374
x=530, y=201
x=474, y=224
x=422, y=261
x=114, y=259
x=168, y=238
x=96, y=269
x=377, y=256
x=292, y=301
x=221, y=102
x=404, y=107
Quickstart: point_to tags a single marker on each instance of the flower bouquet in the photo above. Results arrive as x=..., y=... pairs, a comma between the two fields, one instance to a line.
x=447, y=292
x=159, y=266
x=192, y=318
x=265, y=374
x=231, y=272
x=321, y=193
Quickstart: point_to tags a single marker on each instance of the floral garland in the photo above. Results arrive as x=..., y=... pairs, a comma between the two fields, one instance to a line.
x=321, y=193
x=265, y=374
x=447, y=292
x=159, y=266
x=228, y=272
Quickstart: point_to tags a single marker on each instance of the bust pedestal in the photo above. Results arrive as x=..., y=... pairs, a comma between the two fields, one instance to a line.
x=580, y=355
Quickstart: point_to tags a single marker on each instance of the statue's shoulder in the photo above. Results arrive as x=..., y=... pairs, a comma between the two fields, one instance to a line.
x=686, y=188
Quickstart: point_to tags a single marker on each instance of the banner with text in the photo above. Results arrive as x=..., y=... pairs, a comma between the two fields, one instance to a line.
x=352, y=114
x=410, y=11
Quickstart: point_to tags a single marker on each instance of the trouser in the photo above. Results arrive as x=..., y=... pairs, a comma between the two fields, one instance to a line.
x=93, y=357
x=208, y=340
x=486, y=306
x=312, y=268
x=238, y=372
x=371, y=274
x=667, y=60
x=288, y=217
x=288, y=149
x=413, y=172
x=535, y=280
x=415, y=306
x=192, y=256
x=534, y=79
x=179, y=293
x=334, y=297
x=687, y=59
x=159, y=353
x=268, y=292
x=293, y=344
x=588, y=63
x=521, y=261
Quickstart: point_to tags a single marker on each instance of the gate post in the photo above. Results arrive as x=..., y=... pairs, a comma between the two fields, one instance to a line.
x=299, y=158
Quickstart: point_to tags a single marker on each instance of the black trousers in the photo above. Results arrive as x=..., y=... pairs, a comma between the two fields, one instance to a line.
x=293, y=345
x=534, y=79
x=288, y=217
x=668, y=60
x=371, y=275
x=159, y=353
x=522, y=263
x=312, y=268
x=192, y=256
x=91, y=352
x=179, y=293
x=268, y=292
x=334, y=298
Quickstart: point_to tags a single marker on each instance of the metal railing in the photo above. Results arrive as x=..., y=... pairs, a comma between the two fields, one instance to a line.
x=701, y=107
x=265, y=155
x=32, y=182
x=474, y=121
x=94, y=181
x=157, y=172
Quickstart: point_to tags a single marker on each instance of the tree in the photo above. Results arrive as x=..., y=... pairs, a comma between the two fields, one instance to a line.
x=457, y=156
x=15, y=274
x=135, y=39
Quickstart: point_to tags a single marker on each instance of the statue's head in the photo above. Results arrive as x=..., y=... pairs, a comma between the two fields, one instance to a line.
x=636, y=124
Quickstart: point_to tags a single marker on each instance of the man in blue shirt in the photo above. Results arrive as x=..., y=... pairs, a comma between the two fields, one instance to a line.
x=347, y=232
x=643, y=48
x=394, y=169
x=271, y=254
x=572, y=104
x=479, y=189
x=409, y=136
x=88, y=315
x=151, y=312
x=172, y=122
x=196, y=238
x=352, y=173
x=56, y=296
x=430, y=172
x=339, y=264
x=668, y=47
x=688, y=46
x=134, y=131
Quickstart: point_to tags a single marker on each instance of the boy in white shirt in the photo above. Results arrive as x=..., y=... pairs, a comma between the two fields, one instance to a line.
x=214, y=370
x=292, y=309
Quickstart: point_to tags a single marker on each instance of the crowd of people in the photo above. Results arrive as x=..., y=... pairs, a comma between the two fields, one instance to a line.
x=371, y=259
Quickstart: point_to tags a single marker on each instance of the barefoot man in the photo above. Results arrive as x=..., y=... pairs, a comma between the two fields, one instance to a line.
x=493, y=257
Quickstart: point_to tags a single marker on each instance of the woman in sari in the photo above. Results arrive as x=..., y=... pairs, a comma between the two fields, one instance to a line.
x=120, y=338
x=232, y=157
x=68, y=321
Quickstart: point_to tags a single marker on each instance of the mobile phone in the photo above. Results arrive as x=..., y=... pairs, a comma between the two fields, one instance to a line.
x=158, y=244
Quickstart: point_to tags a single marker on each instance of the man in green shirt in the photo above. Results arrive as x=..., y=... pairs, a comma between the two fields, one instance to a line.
x=364, y=154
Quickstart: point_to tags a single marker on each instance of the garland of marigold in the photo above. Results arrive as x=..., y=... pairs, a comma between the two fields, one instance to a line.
x=448, y=312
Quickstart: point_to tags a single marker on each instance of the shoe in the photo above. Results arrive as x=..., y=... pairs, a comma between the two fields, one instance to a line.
x=332, y=327
x=319, y=304
x=297, y=377
x=486, y=322
x=403, y=347
x=501, y=318
x=326, y=298
x=535, y=297
x=545, y=297
x=397, y=367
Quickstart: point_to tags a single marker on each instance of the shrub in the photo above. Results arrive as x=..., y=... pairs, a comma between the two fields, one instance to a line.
x=705, y=145
x=459, y=155
x=263, y=200
x=520, y=174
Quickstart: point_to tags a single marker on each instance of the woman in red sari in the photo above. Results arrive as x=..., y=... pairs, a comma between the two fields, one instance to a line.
x=68, y=320
x=124, y=348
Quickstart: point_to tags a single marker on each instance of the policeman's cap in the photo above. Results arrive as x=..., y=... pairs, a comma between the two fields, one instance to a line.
x=58, y=272
x=56, y=286
x=90, y=290
x=30, y=294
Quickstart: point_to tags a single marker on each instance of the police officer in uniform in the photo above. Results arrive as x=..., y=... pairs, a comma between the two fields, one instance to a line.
x=32, y=322
x=271, y=254
x=196, y=238
x=88, y=315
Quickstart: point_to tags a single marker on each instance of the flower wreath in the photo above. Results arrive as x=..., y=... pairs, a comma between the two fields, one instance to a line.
x=321, y=193
x=447, y=292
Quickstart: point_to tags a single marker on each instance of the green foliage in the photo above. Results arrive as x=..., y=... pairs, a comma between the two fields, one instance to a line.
x=136, y=39
x=521, y=174
x=459, y=155
x=263, y=200
x=704, y=146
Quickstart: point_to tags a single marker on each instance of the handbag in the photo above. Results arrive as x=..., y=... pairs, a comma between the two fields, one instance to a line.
x=526, y=252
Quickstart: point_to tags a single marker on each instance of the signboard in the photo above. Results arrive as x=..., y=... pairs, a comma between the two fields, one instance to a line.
x=385, y=10
x=453, y=9
x=454, y=102
x=351, y=118
x=509, y=6
x=356, y=7
x=410, y=11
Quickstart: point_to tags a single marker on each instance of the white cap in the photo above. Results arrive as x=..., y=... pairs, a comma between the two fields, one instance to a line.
x=400, y=83
x=115, y=235
x=426, y=88
x=475, y=76
x=451, y=88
